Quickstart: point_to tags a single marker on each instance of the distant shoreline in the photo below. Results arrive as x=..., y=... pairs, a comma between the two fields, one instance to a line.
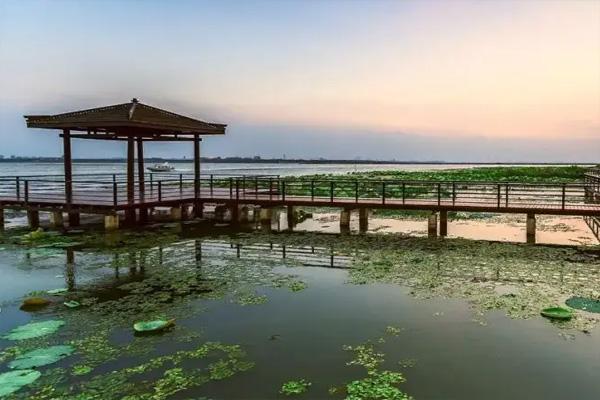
x=243, y=160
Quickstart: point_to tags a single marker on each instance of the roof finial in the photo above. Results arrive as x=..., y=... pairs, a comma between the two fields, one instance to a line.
x=134, y=100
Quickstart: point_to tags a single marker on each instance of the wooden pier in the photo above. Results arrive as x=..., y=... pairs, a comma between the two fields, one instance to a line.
x=136, y=196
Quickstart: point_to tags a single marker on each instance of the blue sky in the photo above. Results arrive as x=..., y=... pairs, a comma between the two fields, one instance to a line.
x=455, y=80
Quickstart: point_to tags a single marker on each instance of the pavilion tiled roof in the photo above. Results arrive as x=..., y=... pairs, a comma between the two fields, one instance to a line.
x=133, y=117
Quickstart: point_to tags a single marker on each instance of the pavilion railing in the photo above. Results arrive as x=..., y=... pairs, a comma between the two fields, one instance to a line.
x=342, y=192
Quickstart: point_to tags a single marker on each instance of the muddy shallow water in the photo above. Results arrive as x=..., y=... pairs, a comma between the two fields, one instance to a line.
x=291, y=302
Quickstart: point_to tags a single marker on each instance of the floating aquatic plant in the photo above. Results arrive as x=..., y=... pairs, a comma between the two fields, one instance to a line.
x=12, y=381
x=41, y=357
x=34, y=330
x=295, y=387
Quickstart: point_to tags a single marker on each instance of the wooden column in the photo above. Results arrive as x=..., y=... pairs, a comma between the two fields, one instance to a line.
x=68, y=165
x=363, y=220
x=130, y=213
x=197, y=205
x=443, y=223
x=530, y=228
x=432, y=225
x=141, y=185
x=291, y=220
x=33, y=219
x=345, y=221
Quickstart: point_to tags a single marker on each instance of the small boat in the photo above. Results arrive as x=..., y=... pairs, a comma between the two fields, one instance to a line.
x=164, y=167
x=557, y=313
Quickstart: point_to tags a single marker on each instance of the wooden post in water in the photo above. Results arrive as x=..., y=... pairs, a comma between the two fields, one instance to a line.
x=266, y=216
x=363, y=220
x=33, y=219
x=57, y=219
x=130, y=212
x=432, y=225
x=443, y=223
x=530, y=228
x=291, y=220
x=345, y=221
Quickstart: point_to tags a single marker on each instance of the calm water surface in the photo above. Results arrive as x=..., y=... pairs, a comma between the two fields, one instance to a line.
x=301, y=334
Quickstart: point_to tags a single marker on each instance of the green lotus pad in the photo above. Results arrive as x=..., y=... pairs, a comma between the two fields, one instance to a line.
x=72, y=304
x=41, y=357
x=12, y=381
x=153, y=326
x=583, y=303
x=557, y=313
x=34, y=330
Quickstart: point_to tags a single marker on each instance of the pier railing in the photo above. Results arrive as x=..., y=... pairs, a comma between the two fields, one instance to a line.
x=102, y=191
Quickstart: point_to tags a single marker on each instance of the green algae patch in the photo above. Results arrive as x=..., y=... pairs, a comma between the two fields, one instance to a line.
x=34, y=330
x=41, y=357
x=296, y=387
x=12, y=381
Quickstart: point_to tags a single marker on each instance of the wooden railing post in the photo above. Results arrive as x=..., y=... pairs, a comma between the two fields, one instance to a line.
x=403, y=192
x=564, y=195
x=453, y=193
x=115, y=195
x=26, y=191
x=331, y=190
x=231, y=188
x=283, y=190
x=18, y=186
x=270, y=188
x=439, y=193
x=159, y=190
x=383, y=192
x=506, y=194
x=211, y=185
x=312, y=190
x=237, y=188
x=181, y=184
x=356, y=191
x=499, y=190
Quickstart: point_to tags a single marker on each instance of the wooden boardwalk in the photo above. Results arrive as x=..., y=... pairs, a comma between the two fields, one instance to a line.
x=104, y=195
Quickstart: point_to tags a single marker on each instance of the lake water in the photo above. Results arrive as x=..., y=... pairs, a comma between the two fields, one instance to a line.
x=283, y=169
x=288, y=302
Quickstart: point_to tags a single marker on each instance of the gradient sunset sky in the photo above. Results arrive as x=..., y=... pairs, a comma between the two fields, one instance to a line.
x=473, y=80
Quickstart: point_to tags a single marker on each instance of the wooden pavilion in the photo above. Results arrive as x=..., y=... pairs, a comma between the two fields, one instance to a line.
x=134, y=123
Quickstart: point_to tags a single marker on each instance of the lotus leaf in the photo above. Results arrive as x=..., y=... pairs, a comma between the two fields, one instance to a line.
x=585, y=304
x=41, y=357
x=153, y=326
x=34, y=330
x=557, y=313
x=72, y=304
x=12, y=381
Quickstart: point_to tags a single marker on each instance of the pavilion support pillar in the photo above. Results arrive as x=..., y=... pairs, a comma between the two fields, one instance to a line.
x=197, y=167
x=345, y=221
x=57, y=219
x=266, y=216
x=432, y=225
x=130, y=211
x=530, y=228
x=68, y=165
x=444, y=223
x=111, y=222
x=143, y=211
x=244, y=214
x=363, y=220
x=291, y=218
x=33, y=219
